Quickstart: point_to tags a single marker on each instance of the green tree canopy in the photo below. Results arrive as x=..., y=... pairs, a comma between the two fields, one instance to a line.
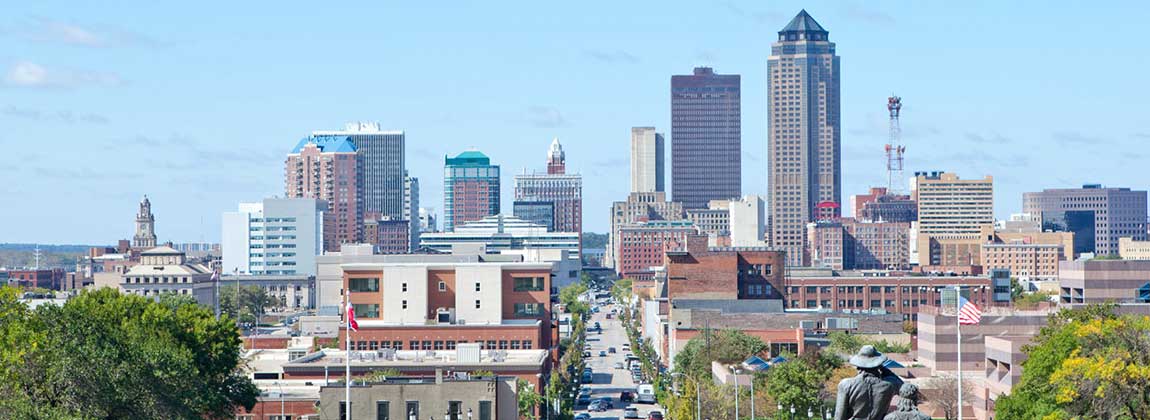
x=106, y=355
x=569, y=297
x=245, y=303
x=1086, y=363
x=726, y=346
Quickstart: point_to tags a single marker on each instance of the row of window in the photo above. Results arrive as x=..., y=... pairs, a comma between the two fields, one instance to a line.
x=384, y=411
x=440, y=345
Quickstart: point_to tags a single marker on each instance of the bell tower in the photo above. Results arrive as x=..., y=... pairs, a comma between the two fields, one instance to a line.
x=145, y=226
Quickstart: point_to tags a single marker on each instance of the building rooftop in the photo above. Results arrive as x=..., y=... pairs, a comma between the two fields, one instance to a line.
x=469, y=158
x=327, y=144
x=803, y=22
x=162, y=250
x=420, y=359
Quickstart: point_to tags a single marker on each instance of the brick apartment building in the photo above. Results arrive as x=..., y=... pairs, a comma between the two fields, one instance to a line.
x=724, y=273
x=642, y=245
x=850, y=244
x=327, y=168
x=436, y=306
x=52, y=279
x=388, y=235
x=883, y=291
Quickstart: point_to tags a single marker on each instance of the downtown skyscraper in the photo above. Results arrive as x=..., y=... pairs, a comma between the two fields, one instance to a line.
x=382, y=165
x=706, y=136
x=562, y=191
x=647, y=160
x=804, y=134
x=470, y=189
x=327, y=168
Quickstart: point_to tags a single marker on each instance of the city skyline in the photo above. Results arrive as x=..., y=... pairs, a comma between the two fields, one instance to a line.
x=217, y=132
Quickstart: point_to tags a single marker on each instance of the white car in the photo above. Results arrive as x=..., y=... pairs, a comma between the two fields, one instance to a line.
x=630, y=413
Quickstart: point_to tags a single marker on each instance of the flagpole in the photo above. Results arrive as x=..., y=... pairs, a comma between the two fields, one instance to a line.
x=958, y=334
x=347, y=345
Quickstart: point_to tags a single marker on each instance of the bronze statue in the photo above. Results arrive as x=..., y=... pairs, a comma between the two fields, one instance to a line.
x=867, y=396
x=907, y=408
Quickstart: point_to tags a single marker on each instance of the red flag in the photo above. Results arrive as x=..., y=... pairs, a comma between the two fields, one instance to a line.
x=351, y=318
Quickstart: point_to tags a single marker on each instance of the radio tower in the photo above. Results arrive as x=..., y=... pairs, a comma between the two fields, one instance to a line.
x=894, y=149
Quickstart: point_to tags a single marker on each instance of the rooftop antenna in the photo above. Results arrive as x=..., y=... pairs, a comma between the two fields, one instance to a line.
x=894, y=148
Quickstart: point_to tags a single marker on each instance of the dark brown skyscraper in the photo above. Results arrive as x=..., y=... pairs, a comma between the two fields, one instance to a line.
x=706, y=132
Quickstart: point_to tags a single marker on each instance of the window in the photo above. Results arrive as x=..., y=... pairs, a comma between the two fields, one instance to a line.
x=476, y=286
x=404, y=302
x=477, y=304
x=363, y=284
x=514, y=344
x=527, y=345
x=810, y=303
x=414, y=345
x=442, y=286
x=439, y=344
x=427, y=345
x=412, y=409
x=875, y=289
x=279, y=417
x=490, y=345
x=526, y=309
x=485, y=410
x=811, y=289
x=454, y=409
x=1144, y=293
x=528, y=284
x=366, y=310
x=343, y=410
x=502, y=344
x=405, y=287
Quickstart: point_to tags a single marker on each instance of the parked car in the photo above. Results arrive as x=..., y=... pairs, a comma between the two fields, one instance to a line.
x=583, y=399
x=611, y=350
x=631, y=413
x=655, y=415
x=626, y=396
x=608, y=316
x=647, y=395
x=602, y=353
x=582, y=416
x=619, y=365
x=597, y=326
x=587, y=354
x=597, y=406
x=606, y=402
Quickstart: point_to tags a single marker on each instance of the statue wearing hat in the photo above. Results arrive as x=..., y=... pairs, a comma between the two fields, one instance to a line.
x=867, y=396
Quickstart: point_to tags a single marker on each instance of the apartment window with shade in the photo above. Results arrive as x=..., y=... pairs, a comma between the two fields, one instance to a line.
x=528, y=284
x=363, y=284
x=442, y=286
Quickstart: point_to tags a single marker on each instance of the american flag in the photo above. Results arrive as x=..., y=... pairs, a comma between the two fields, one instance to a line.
x=968, y=312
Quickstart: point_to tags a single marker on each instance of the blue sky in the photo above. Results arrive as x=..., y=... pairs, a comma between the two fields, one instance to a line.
x=195, y=104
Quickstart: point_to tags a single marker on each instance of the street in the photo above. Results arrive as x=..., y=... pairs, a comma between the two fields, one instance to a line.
x=608, y=381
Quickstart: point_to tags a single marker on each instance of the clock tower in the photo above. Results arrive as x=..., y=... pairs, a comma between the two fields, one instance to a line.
x=145, y=226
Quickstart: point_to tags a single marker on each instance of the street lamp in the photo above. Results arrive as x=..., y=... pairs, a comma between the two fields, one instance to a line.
x=737, y=372
x=792, y=412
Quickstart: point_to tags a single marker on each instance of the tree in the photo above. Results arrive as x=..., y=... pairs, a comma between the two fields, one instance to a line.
x=910, y=327
x=1086, y=363
x=528, y=399
x=845, y=344
x=621, y=290
x=119, y=356
x=726, y=346
x=802, y=382
x=946, y=395
x=245, y=303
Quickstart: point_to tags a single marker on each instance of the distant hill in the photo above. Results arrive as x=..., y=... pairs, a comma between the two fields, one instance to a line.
x=47, y=248
x=51, y=256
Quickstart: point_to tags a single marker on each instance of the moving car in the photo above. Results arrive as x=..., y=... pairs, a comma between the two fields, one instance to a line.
x=611, y=350
x=626, y=396
x=582, y=416
x=646, y=395
x=598, y=406
x=602, y=353
x=655, y=415
x=619, y=365
x=631, y=413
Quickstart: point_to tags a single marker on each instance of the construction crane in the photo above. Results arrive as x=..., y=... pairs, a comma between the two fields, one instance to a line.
x=894, y=148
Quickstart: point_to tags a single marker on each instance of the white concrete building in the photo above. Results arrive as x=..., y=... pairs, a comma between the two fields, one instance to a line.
x=647, y=160
x=500, y=233
x=748, y=221
x=278, y=236
x=165, y=270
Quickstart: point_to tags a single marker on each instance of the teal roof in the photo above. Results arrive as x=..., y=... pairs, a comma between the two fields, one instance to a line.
x=329, y=144
x=803, y=22
x=469, y=158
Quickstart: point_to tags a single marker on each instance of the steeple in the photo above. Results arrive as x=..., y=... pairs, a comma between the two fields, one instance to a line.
x=803, y=28
x=556, y=158
x=145, y=226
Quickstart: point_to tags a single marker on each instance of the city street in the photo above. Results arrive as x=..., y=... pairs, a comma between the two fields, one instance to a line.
x=608, y=381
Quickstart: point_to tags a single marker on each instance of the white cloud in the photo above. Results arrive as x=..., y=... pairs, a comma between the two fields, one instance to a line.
x=32, y=75
x=75, y=34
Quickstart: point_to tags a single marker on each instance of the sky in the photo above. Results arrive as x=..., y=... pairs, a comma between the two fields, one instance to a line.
x=197, y=103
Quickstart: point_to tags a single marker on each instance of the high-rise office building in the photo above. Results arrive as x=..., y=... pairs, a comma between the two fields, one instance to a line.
x=706, y=131
x=382, y=165
x=953, y=216
x=470, y=189
x=1098, y=216
x=411, y=208
x=556, y=186
x=277, y=236
x=647, y=160
x=327, y=168
x=803, y=152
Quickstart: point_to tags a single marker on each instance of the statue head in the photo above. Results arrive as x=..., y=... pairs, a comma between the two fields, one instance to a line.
x=909, y=392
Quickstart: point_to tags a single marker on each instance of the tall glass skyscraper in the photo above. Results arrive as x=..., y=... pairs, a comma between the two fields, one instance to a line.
x=470, y=189
x=803, y=146
x=706, y=136
x=382, y=163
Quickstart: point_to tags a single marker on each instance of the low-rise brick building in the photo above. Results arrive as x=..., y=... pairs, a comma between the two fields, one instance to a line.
x=890, y=292
x=724, y=273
